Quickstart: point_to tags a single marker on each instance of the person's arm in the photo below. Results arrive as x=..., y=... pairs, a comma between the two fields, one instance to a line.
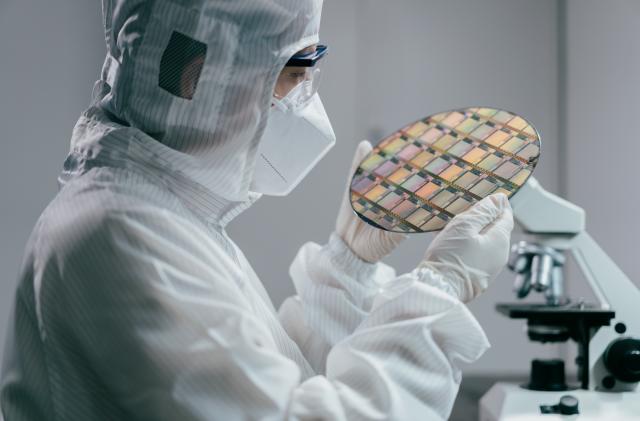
x=336, y=283
x=399, y=338
x=342, y=301
x=335, y=292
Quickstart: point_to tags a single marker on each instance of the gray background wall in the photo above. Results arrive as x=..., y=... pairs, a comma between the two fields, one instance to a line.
x=50, y=55
x=390, y=63
x=602, y=105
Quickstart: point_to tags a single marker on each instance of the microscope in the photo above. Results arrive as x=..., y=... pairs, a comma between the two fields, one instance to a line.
x=607, y=333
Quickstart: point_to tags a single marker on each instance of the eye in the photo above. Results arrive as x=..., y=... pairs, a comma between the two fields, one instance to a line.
x=297, y=75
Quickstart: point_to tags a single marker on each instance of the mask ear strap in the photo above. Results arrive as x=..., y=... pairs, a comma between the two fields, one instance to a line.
x=110, y=70
x=107, y=80
x=278, y=105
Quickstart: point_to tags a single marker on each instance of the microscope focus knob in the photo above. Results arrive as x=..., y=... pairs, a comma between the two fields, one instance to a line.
x=568, y=405
x=622, y=359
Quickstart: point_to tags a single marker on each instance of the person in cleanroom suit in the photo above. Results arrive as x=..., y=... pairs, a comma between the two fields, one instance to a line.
x=134, y=304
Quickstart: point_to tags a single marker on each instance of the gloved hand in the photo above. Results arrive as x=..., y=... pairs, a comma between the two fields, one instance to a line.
x=368, y=243
x=473, y=248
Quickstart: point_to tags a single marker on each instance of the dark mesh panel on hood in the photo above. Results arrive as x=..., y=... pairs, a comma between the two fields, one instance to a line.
x=181, y=65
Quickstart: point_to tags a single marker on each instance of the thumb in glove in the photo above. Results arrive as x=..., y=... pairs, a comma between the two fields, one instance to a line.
x=369, y=243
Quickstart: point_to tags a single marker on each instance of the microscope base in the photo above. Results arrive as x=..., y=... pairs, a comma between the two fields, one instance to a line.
x=510, y=402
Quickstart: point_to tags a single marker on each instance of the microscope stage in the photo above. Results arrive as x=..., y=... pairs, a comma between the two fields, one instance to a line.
x=557, y=315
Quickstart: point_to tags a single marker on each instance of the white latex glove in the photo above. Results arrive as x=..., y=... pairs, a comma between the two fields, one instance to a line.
x=473, y=248
x=368, y=243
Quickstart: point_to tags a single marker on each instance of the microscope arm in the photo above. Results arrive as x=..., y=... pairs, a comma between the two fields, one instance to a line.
x=557, y=223
x=539, y=212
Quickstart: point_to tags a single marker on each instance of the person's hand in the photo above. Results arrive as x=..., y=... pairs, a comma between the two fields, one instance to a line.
x=369, y=243
x=474, y=247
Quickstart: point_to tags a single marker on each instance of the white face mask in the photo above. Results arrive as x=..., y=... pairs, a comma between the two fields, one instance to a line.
x=294, y=141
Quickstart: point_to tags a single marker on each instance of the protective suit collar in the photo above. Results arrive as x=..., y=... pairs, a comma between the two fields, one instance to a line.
x=98, y=141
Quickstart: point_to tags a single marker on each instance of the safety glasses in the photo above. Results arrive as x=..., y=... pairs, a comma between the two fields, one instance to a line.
x=300, y=79
x=308, y=59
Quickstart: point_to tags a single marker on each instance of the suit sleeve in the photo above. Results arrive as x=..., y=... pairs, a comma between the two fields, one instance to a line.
x=402, y=338
x=155, y=309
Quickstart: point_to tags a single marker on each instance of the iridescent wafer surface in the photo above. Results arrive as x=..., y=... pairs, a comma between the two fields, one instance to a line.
x=420, y=177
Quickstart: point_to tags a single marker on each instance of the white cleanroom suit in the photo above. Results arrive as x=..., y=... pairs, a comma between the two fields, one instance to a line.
x=134, y=304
